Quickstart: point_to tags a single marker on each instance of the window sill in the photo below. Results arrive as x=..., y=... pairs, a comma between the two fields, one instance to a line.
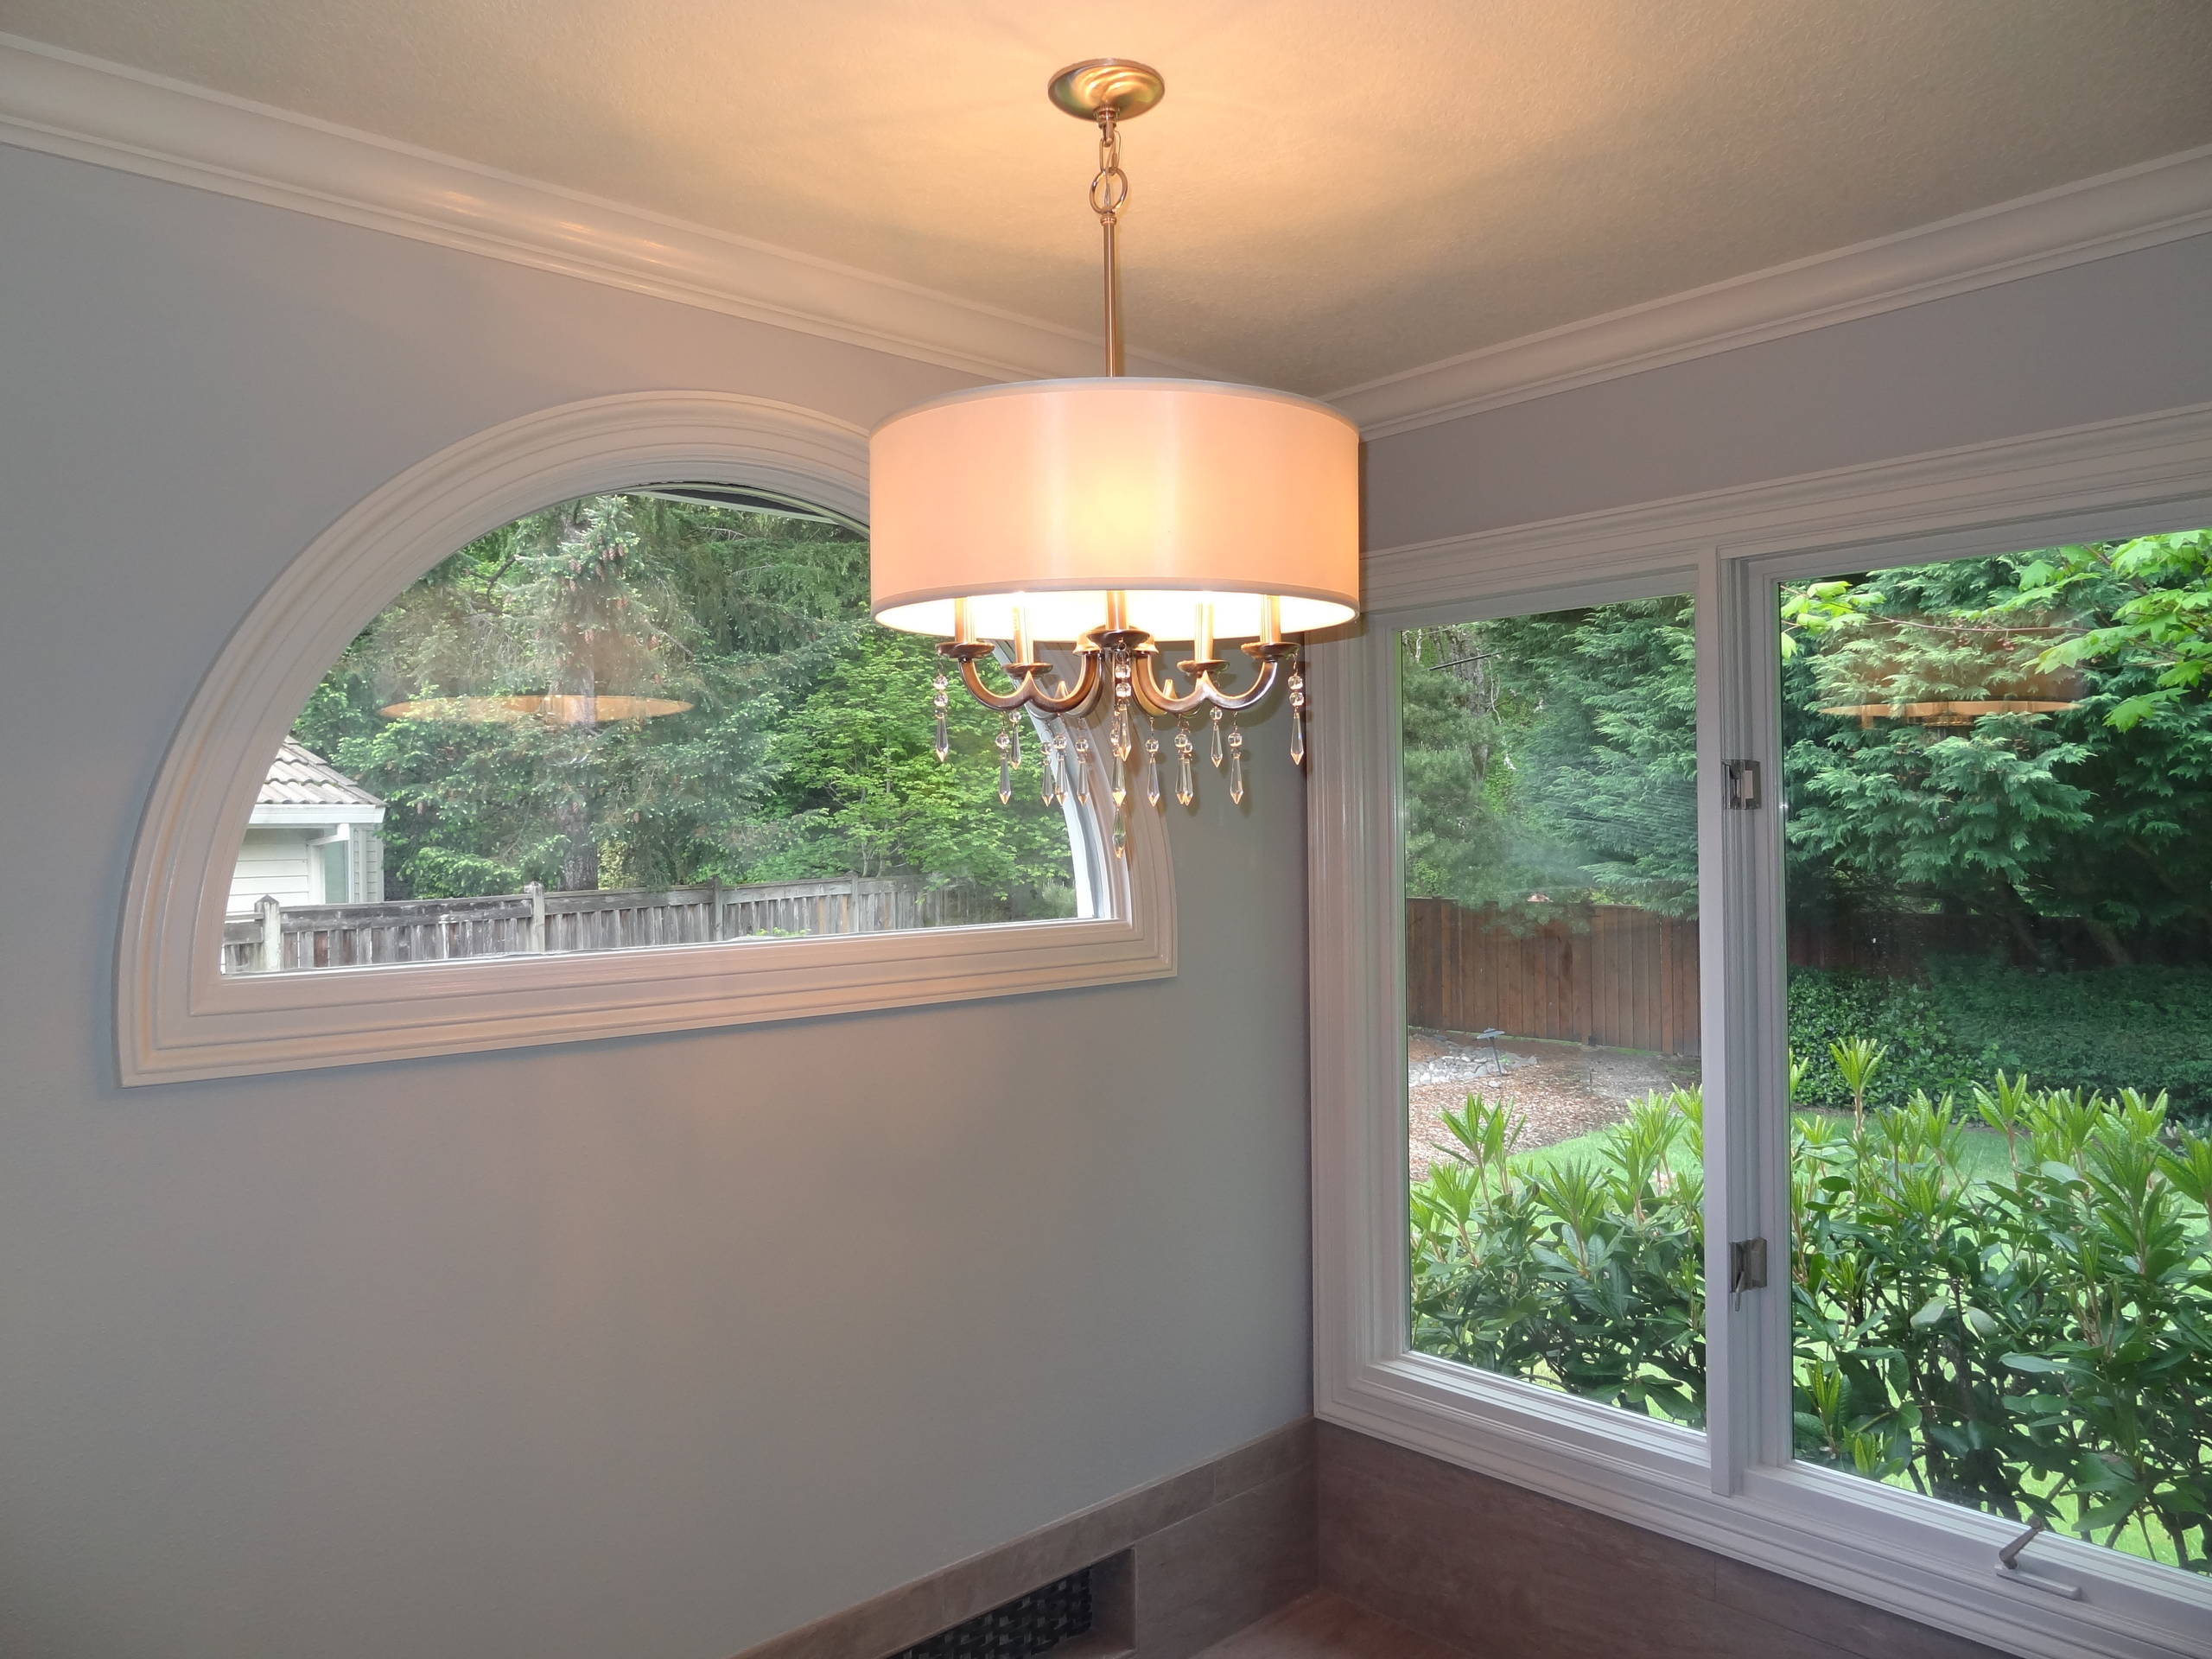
x=242, y=1024
x=1925, y=1560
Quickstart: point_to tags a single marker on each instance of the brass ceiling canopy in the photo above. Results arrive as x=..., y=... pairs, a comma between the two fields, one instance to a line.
x=1116, y=84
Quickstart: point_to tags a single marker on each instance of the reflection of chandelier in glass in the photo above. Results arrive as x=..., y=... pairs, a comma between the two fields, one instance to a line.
x=555, y=708
x=1945, y=673
x=1947, y=711
x=1107, y=515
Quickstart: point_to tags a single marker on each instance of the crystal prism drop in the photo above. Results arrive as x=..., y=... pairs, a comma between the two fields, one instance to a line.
x=1014, y=725
x=1187, y=791
x=1236, y=766
x=1123, y=692
x=1216, y=740
x=1297, y=718
x=943, y=739
x=1120, y=789
x=1152, y=770
x=1079, y=773
x=1004, y=741
x=1048, y=769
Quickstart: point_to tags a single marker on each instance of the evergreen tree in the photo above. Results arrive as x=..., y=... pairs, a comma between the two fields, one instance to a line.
x=793, y=737
x=1554, y=755
x=2092, y=814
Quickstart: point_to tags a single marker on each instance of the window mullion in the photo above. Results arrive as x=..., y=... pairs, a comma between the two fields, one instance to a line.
x=1739, y=864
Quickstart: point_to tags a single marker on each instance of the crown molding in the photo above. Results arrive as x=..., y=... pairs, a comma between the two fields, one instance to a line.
x=65, y=104
x=2139, y=207
x=2112, y=472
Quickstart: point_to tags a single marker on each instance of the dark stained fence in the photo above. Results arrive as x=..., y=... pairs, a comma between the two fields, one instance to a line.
x=534, y=922
x=1620, y=977
x=1873, y=943
x=1599, y=974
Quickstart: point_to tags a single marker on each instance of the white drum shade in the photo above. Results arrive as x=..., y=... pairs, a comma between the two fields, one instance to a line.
x=1044, y=495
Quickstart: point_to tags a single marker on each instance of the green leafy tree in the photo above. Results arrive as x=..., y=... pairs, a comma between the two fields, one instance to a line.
x=2090, y=814
x=1554, y=755
x=746, y=630
x=859, y=787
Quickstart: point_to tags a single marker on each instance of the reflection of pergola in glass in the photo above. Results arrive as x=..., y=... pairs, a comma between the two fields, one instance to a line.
x=1989, y=670
x=555, y=708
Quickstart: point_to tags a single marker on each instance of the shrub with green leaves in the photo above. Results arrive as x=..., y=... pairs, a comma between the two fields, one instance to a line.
x=2034, y=1343
x=2147, y=1026
x=1589, y=1276
x=1832, y=1006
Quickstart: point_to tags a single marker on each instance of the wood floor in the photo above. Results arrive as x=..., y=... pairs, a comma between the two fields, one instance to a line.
x=1323, y=1626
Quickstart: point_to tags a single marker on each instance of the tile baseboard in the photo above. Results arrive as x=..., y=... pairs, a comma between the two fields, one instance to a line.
x=1185, y=1561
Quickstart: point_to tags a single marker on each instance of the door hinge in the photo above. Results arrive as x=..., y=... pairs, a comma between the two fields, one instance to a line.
x=1746, y=1268
x=1742, y=783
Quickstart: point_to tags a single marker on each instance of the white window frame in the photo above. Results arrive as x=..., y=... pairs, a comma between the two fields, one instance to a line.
x=178, y=1017
x=1733, y=1490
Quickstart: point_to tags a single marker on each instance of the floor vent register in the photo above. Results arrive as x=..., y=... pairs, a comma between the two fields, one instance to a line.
x=1031, y=1623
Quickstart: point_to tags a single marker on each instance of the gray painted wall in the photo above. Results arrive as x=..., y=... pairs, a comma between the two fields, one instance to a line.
x=654, y=1348
x=2119, y=336
x=649, y=1348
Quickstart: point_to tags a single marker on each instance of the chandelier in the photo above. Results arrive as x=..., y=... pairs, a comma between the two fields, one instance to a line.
x=1110, y=518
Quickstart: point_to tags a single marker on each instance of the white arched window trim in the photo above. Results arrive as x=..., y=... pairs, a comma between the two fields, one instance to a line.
x=177, y=1017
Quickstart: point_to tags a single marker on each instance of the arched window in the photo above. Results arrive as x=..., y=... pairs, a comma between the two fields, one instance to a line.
x=656, y=716
x=631, y=758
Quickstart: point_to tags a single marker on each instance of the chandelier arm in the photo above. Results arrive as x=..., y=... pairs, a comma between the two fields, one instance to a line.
x=1029, y=690
x=1004, y=702
x=1069, y=703
x=1206, y=690
x=1262, y=682
x=1154, y=698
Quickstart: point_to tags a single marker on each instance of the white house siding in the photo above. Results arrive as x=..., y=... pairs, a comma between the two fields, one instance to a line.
x=274, y=862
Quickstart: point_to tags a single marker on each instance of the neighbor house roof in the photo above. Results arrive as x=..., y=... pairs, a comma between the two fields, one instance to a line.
x=299, y=777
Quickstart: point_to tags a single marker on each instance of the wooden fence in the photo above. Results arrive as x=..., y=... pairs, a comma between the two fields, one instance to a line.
x=532, y=922
x=1621, y=978
x=1597, y=974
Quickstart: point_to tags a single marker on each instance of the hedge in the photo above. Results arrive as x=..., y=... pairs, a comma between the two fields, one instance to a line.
x=2033, y=1342
x=2100, y=1030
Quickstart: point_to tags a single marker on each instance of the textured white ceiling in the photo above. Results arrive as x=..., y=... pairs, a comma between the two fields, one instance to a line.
x=1332, y=192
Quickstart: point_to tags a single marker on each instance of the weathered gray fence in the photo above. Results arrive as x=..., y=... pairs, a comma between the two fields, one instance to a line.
x=273, y=939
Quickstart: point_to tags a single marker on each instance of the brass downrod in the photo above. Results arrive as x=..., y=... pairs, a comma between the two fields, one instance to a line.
x=1113, y=301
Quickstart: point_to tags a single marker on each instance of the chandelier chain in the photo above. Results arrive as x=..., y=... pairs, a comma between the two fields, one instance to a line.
x=1109, y=190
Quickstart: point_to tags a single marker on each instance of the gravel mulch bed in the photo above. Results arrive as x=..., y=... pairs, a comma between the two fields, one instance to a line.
x=1560, y=1089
